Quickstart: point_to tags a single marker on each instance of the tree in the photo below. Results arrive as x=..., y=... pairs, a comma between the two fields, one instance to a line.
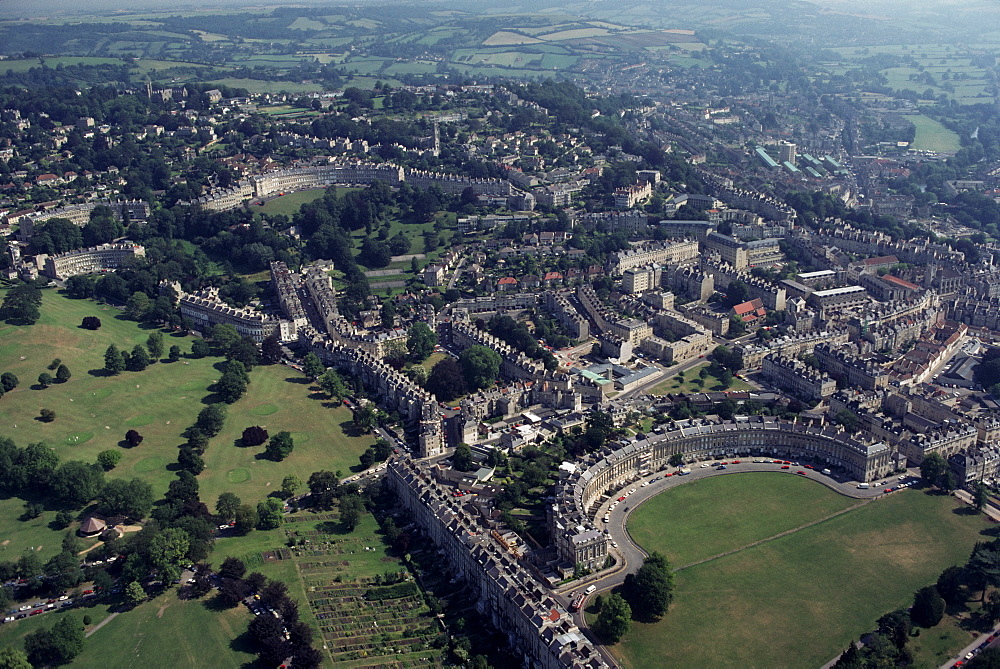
x=312, y=366
x=480, y=366
x=895, y=626
x=109, y=459
x=8, y=381
x=365, y=417
x=991, y=610
x=63, y=571
x=446, y=380
x=233, y=567
x=332, y=384
x=190, y=460
x=928, y=607
x=134, y=594
x=12, y=658
x=420, y=341
x=323, y=487
x=132, y=499
x=462, y=458
x=29, y=566
x=137, y=306
x=980, y=496
x=280, y=446
x=211, y=419
x=949, y=584
x=614, y=620
x=21, y=304
x=246, y=519
x=114, y=360
x=133, y=438
x=650, y=589
x=154, y=344
x=254, y=435
x=270, y=514
x=76, y=483
x=233, y=383
x=63, y=374
x=270, y=350
x=167, y=550
x=138, y=359
x=351, y=507
x=200, y=348
x=91, y=323
x=45, y=379
x=227, y=505
x=676, y=460
x=46, y=415
x=932, y=468
x=175, y=353
x=289, y=485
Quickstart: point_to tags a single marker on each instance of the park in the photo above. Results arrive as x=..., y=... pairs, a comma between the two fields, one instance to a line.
x=93, y=411
x=798, y=569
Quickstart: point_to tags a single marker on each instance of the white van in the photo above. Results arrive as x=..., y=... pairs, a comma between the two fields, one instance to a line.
x=863, y=486
x=826, y=471
x=590, y=590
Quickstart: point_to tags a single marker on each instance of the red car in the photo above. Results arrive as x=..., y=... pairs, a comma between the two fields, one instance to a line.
x=736, y=462
x=36, y=612
x=808, y=466
x=801, y=472
x=622, y=498
x=725, y=463
x=669, y=474
x=777, y=462
x=785, y=467
x=888, y=490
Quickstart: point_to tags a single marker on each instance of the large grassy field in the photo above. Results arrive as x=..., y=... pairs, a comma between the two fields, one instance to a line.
x=717, y=517
x=94, y=411
x=289, y=203
x=798, y=600
x=932, y=136
x=280, y=398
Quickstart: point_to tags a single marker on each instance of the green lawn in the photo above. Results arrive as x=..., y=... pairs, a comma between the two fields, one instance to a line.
x=932, y=136
x=279, y=399
x=798, y=600
x=717, y=517
x=171, y=632
x=289, y=203
x=93, y=412
x=689, y=384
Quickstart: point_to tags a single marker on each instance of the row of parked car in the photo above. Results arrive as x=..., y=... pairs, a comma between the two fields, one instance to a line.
x=40, y=607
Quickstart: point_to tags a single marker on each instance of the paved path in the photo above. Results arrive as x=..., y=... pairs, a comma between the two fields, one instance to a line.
x=103, y=623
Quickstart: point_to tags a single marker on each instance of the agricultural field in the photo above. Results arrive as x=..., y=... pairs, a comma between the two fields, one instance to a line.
x=259, y=86
x=330, y=571
x=837, y=576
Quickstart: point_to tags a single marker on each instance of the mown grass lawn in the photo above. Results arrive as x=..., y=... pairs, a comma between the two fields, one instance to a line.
x=693, y=383
x=280, y=398
x=93, y=412
x=798, y=600
x=704, y=518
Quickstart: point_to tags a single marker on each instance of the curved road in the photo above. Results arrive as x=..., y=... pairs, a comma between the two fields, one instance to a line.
x=629, y=556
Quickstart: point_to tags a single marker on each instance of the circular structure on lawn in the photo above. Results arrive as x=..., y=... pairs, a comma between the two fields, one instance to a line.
x=264, y=409
x=79, y=438
x=238, y=475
